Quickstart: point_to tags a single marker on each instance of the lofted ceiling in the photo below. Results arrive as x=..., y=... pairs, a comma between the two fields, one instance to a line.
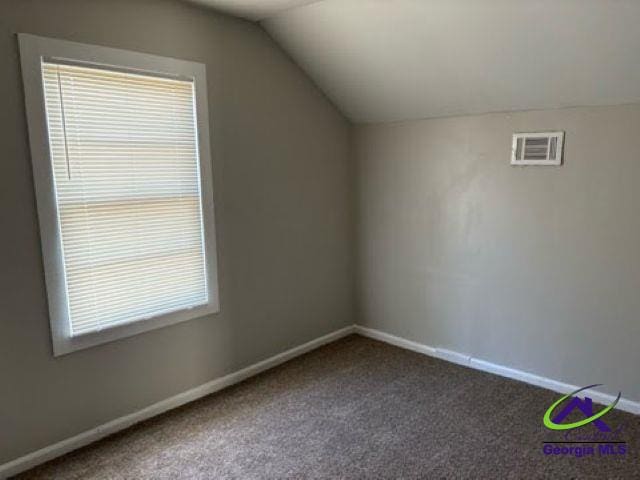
x=390, y=60
x=253, y=9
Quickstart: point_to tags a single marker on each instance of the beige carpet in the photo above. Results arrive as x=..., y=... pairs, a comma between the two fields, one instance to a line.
x=354, y=409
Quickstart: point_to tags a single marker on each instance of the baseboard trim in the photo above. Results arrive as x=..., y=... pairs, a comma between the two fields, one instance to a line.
x=479, y=364
x=394, y=340
x=65, y=446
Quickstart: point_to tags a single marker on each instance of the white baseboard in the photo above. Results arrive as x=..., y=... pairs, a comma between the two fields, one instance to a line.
x=57, y=449
x=453, y=357
x=48, y=453
x=478, y=364
x=397, y=341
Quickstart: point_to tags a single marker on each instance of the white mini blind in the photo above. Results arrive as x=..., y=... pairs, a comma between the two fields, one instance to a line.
x=125, y=160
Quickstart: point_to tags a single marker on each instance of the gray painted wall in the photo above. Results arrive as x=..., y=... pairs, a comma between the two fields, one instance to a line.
x=536, y=268
x=284, y=223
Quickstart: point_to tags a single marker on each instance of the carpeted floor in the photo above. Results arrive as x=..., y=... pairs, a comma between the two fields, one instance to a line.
x=354, y=409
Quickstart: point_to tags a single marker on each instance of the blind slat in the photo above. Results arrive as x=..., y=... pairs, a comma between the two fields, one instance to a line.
x=124, y=152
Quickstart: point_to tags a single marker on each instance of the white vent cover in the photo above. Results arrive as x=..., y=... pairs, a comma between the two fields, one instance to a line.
x=544, y=148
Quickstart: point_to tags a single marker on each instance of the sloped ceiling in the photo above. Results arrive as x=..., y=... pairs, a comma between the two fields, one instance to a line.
x=390, y=60
x=253, y=9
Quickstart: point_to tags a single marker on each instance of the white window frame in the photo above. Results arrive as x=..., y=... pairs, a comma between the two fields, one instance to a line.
x=33, y=50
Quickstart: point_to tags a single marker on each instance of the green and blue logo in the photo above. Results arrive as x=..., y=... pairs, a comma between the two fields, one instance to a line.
x=577, y=441
x=585, y=406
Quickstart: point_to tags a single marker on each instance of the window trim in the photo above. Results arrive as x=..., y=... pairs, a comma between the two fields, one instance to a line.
x=33, y=49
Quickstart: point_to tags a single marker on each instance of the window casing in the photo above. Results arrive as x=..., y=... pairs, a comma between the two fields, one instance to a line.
x=122, y=170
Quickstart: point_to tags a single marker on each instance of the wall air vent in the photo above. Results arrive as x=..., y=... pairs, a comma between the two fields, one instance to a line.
x=544, y=148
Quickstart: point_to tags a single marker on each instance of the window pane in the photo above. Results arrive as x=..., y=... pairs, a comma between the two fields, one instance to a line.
x=125, y=160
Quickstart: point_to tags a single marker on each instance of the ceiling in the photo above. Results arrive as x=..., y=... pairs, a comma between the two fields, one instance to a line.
x=253, y=9
x=390, y=60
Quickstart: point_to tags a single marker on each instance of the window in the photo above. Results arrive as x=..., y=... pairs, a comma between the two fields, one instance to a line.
x=122, y=171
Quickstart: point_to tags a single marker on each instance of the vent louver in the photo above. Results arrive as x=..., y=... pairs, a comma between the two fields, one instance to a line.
x=544, y=148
